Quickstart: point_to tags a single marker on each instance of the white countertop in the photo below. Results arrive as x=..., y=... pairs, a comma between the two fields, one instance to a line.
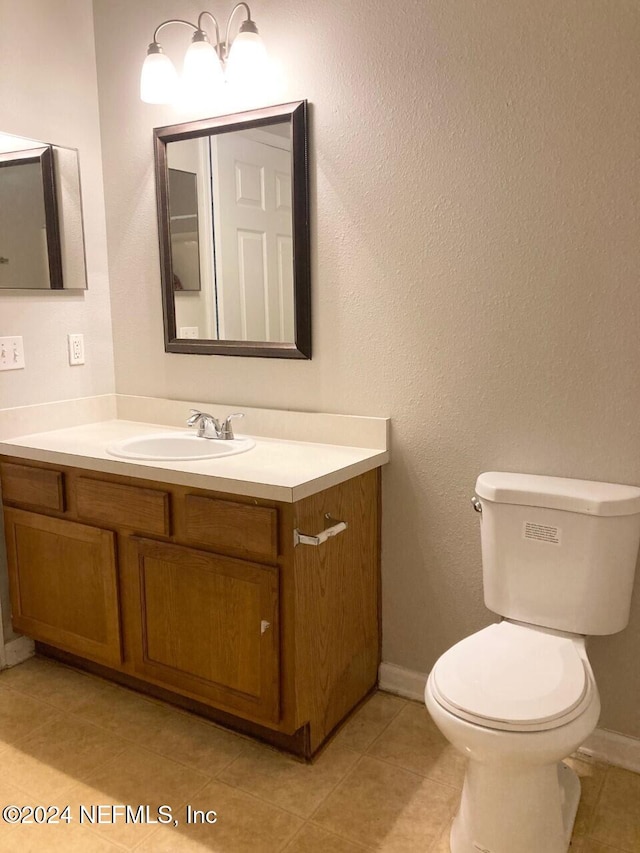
x=277, y=469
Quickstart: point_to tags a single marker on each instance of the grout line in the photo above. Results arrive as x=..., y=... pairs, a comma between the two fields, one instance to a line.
x=384, y=728
x=357, y=844
x=182, y=805
x=337, y=784
x=270, y=803
x=414, y=773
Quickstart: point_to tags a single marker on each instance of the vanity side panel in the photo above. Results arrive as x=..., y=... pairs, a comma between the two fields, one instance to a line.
x=337, y=619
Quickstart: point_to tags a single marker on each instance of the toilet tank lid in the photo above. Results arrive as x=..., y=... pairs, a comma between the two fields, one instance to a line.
x=586, y=496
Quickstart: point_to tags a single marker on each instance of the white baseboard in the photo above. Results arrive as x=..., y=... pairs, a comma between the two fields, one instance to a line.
x=402, y=682
x=602, y=745
x=614, y=748
x=18, y=650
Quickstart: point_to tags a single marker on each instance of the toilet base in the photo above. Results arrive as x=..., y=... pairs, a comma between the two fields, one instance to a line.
x=523, y=811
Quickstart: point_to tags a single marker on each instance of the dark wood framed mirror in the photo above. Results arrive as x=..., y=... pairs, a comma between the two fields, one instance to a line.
x=233, y=223
x=30, y=248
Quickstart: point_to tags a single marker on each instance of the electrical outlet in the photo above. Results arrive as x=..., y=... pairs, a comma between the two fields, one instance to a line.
x=11, y=353
x=76, y=349
x=188, y=332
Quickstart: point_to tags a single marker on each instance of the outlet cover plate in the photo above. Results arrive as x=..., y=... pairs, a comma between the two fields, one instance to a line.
x=76, y=349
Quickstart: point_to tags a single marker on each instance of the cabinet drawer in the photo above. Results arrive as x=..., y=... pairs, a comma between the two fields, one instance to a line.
x=144, y=510
x=36, y=487
x=229, y=526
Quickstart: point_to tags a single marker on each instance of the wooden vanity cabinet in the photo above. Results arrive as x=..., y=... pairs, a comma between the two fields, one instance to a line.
x=201, y=597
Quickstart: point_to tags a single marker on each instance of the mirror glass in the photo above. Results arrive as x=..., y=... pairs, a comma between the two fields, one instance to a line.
x=41, y=232
x=232, y=206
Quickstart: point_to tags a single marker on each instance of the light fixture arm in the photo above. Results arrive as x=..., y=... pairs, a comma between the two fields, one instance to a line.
x=171, y=21
x=247, y=25
x=219, y=47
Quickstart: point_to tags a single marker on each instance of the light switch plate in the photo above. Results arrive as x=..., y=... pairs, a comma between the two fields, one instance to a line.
x=11, y=353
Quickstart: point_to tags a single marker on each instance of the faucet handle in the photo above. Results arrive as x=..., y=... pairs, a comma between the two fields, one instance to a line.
x=195, y=416
x=226, y=430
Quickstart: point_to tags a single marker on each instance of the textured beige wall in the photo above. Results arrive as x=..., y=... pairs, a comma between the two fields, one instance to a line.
x=48, y=91
x=474, y=187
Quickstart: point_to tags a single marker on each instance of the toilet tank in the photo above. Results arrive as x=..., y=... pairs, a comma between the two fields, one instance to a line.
x=559, y=553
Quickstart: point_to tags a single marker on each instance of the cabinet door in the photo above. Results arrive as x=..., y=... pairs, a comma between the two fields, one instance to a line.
x=208, y=627
x=63, y=581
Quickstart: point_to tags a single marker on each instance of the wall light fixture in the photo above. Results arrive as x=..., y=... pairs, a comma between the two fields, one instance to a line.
x=241, y=62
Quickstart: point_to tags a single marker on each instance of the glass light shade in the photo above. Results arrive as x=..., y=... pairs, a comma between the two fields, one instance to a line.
x=202, y=75
x=248, y=62
x=158, y=80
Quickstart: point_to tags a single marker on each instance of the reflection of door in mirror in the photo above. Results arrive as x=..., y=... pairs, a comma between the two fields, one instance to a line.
x=230, y=214
x=254, y=257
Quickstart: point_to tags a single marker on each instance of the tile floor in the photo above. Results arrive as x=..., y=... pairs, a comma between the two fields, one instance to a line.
x=387, y=782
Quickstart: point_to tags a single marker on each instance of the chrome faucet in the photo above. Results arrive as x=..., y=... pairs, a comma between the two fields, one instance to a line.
x=210, y=427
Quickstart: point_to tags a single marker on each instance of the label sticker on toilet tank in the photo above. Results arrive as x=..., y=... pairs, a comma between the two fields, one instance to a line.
x=542, y=532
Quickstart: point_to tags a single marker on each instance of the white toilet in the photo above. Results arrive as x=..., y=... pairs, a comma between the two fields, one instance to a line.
x=558, y=560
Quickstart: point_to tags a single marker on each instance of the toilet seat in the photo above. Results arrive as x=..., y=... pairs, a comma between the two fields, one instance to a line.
x=514, y=677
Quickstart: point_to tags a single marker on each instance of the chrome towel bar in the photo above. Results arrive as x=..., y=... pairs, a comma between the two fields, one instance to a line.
x=306, y=539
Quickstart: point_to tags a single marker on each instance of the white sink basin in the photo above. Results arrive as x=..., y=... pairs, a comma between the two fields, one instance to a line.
x=177, y=446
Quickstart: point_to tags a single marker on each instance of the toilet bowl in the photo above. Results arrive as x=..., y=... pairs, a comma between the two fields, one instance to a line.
x=515, y=700
x=558, y=559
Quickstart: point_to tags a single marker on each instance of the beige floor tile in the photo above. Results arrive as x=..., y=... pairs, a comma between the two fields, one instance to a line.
x=192, y=741
x=588, y=845
x=54, y=839
x=312, y=839
x=617, y=818
x=370, y=721
x=286, y=782
x=11, y=794
x=67, y=689
x=244, y=825
x=441, y=844
x=129, y=715
x=20, y=715
x=591, y=776
x=59, y=754
x=387, y=808
x=150, y=724
x=136, y=777
x=413, y=741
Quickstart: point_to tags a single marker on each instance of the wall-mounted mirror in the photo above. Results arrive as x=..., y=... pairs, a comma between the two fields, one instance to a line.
x=234, y=233
x=41, y=233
